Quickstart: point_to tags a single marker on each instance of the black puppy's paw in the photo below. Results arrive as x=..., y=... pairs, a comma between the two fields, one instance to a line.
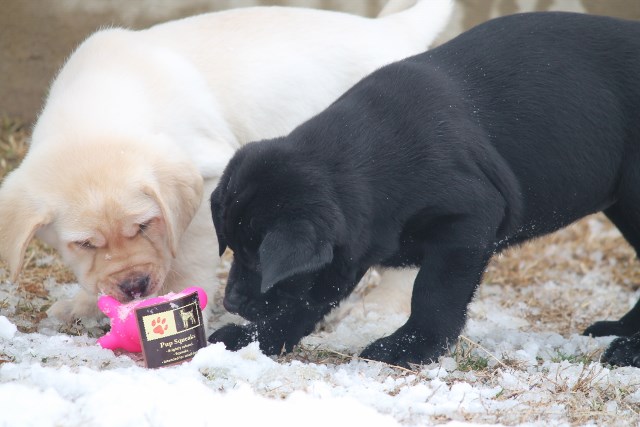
x=276, y=338
x=624, y=351
x=607, y=328
x=233, y=336
x=404, y=347
x=273, y=341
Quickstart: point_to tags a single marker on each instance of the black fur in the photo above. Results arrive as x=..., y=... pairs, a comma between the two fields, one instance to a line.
x=623, y=351
x=512, y=130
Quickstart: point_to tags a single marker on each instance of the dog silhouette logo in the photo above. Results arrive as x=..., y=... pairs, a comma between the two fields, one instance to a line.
x=188, y=317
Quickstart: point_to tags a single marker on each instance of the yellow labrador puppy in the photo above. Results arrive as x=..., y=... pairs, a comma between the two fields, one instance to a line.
x=138, y=126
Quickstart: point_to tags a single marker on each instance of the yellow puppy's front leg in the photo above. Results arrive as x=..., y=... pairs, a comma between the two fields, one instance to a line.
x=82, y=306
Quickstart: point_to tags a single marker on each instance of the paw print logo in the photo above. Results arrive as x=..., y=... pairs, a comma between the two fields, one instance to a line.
x=159, y=325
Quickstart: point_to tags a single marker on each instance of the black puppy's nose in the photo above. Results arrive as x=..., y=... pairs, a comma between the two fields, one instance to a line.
x=135, y=286
x=233, y=301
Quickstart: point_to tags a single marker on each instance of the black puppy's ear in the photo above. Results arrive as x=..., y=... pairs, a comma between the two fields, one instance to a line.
x=216, y=215
x=292, y=249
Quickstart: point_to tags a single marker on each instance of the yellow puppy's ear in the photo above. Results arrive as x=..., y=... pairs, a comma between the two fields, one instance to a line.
x=178, y=193
x=20, y=217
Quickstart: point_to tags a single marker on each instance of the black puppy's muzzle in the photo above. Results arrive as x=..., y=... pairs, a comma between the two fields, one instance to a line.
x=243, y=288
x=233, y=302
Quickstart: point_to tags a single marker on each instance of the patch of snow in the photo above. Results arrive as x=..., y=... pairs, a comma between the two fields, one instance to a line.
x=7, y=329
x=74, y=382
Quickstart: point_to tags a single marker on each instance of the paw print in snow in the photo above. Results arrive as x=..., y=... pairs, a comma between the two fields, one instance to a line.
x=159, y=326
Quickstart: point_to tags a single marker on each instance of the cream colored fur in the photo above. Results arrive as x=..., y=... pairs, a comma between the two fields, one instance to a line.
x=139, y=125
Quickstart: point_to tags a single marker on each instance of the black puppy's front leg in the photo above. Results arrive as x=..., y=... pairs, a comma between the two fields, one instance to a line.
x=277, y=329
x=445, y=284
x=276, y=334
x=295, y=318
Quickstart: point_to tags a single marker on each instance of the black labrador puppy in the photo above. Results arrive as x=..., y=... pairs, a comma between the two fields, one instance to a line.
x=510, y=131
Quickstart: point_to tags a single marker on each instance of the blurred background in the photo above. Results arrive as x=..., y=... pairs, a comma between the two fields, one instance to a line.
x=36, y=36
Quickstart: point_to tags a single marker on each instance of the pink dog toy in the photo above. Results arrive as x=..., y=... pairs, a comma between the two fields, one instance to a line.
x=124, y=332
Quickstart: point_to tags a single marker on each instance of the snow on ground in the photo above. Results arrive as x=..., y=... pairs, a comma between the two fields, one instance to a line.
x=516, y=365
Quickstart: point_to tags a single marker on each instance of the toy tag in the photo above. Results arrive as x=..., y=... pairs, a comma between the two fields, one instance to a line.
x=171, y=332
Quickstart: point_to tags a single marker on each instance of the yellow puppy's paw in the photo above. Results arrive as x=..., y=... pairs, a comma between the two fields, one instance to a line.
x=82, y=306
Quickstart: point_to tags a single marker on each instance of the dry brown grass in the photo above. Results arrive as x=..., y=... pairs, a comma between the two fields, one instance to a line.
x=528, y=263
x=13, y=147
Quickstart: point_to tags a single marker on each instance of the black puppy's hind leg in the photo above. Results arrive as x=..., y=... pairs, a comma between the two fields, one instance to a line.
x=450, y=273
x=625, y=214
x=623, y=351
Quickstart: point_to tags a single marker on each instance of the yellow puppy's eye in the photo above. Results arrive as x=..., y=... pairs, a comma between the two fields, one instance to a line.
x=143, y=227
x=85, y=244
